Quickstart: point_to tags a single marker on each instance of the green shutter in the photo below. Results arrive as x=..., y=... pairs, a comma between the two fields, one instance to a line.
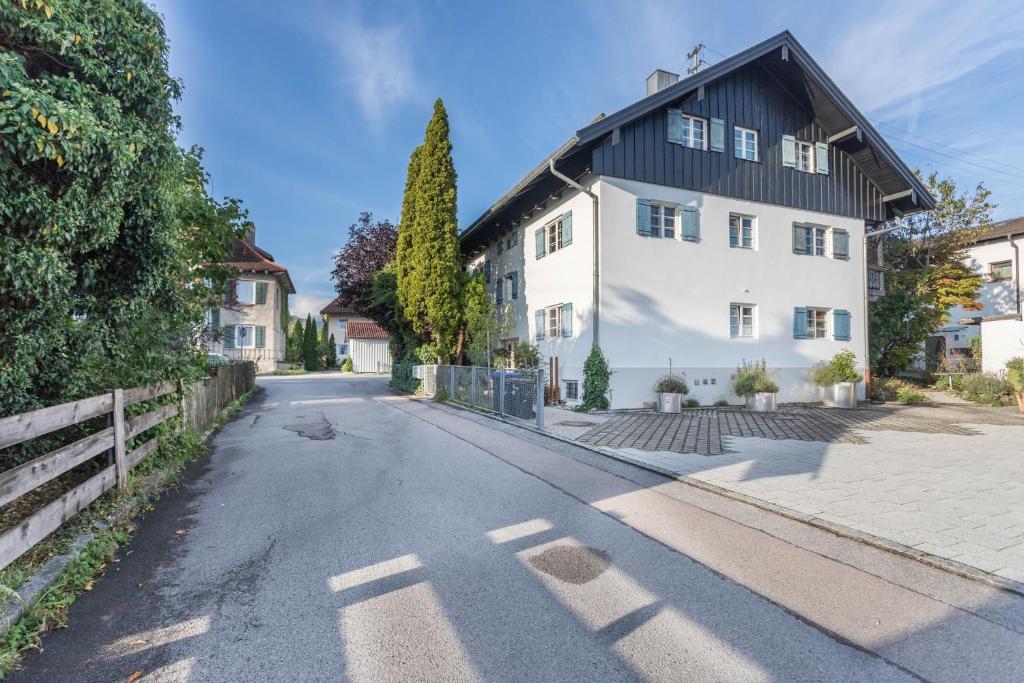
x=821, y=158
x=261, y=336
x=538, y=239
x=800, y=245
x=841, y=325
x=840, y=244
x=789, y=151
x=690, y=219
x=674, y=129
x=643, y=217
x=261, y=292
x=499, y=291
x=567, y=229
x=515, y=285
x=799, y=323
x=230, y=291
x=717, y=140
x=229, y=336
x=538, y=318
x=566, y=320
x=487, y=271
x=215, y=318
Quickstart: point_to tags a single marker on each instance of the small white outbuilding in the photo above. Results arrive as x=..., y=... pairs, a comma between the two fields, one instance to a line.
x=370, y=347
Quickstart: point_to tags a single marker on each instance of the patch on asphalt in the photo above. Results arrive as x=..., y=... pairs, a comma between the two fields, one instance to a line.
x=570, y=563
x=576, y=423
x=316, y=428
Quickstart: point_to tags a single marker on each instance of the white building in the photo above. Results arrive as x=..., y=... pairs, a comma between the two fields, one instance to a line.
x=719, y=219
x=337, y=316
x=996, y=255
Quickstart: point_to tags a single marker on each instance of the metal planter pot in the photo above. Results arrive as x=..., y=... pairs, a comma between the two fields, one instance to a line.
x=842, y=395
x=762, y=402
x=670, y=403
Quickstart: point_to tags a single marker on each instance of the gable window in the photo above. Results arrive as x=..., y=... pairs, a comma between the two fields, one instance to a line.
x=686, y=130
x=554, y=236
x=809, y=239
x=342, y=327
x=745, y=143
x=663, y=221
x=741, y=231
x=245, y=292
x=1002, y=270
x=804, y=156
x=741, y=320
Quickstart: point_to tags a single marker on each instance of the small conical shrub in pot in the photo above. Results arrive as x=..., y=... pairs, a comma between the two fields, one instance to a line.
x=838, y=379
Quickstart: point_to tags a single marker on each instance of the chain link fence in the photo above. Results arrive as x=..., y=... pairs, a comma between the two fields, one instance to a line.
x=516, y=394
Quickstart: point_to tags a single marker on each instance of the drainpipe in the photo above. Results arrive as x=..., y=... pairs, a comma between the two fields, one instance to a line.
x=597, y=270
x=1016, y=271
x=864, y=279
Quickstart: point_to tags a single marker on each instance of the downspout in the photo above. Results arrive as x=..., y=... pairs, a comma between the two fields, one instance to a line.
x=597, y=264
x=1016, y=271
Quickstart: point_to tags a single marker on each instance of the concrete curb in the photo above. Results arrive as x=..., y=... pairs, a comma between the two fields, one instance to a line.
x=947, y=565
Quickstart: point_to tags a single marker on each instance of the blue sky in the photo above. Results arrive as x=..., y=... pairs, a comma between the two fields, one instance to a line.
x=308, y=110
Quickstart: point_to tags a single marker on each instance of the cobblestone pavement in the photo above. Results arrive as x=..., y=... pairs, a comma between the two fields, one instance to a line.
x=944, y=480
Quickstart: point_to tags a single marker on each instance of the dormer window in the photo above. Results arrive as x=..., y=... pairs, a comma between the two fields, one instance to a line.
x=804, y=157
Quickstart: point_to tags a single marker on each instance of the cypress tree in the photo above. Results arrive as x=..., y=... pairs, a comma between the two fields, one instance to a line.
x=332, y=353
x=404, y=253
x=293, y=354
x=310, y=352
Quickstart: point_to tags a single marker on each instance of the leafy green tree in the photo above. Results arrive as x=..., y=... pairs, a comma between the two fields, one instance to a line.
x=381, y=304
x=103, y=217
x=480, y=321
x=929, y=274
x=310, y=345
x=293, y=352
x=332, y=353
x=596, y=380
x=429, y=280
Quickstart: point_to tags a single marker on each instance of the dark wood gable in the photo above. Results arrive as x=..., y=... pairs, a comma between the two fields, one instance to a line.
x=750, y=97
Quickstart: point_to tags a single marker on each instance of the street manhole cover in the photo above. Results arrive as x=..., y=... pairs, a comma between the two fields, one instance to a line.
x=315, y=428
x=572, y=564
x=576, y=423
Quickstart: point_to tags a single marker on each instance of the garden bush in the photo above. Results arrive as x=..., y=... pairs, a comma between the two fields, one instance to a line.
x=596, y=379
x=346, y=365
x=671, y=384
x=1015, y=376
x=754, y=378
x=985, y=388
x=842, y=368
x=691, y=403
x=401, y=376
x=896, y=389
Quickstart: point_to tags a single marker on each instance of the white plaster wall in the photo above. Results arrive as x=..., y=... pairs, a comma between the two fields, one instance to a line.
x=340, y=338
x=669, y=299
x=1001, y=340
x=997, y=298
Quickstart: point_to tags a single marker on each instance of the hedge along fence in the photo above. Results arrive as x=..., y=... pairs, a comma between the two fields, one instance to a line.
x=114, y=439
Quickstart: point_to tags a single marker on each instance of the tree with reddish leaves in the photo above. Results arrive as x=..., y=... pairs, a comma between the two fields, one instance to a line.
x=370, y=247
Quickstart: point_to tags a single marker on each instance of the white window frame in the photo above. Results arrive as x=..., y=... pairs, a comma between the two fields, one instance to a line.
x=992, y=271
x=343, y=327
x=238, y=291
x=812, y=323
x=553, y=321
x=251, y=336
x=739, y=218
x=689, y=130
x=741, y=136
x=804, y=156
x=740, y=312
x=553, y=237
x=658, y=229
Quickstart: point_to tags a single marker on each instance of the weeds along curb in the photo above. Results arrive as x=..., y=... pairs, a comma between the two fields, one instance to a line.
x=97, y=544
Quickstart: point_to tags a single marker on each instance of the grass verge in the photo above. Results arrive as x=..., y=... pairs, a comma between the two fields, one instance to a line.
x=111, y=521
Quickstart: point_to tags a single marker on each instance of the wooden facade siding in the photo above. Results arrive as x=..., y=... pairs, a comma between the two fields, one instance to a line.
x=751, y=98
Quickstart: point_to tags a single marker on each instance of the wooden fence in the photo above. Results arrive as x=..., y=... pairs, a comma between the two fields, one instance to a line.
x=198, y=403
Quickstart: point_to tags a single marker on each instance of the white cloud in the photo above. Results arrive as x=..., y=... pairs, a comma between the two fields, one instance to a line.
x=300, y=305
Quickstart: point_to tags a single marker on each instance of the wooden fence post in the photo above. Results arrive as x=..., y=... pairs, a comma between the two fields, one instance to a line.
x=181, y=404
x=120, y=466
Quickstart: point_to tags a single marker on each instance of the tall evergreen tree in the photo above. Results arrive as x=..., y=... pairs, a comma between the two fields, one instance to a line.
x=310, y=350
x=405, y=260
x=332, y=352
x=293, y=354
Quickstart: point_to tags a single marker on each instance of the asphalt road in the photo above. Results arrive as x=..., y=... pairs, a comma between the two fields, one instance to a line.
x=337, y=531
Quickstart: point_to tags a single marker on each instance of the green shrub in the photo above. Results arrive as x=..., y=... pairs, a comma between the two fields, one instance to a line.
x=346, y=365
x=720, y=403
x=842, y=368
x=527, y=355
x=985, y=388
x=691, y=403
x=896, y=389
x=441, y=394
x=401, y=376
x=426, y=354
x=1015, y=373
x=596, y=379
x=754, y=378
x=671, y=384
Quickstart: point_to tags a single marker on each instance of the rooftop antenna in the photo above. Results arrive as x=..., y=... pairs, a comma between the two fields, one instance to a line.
x=697, y=59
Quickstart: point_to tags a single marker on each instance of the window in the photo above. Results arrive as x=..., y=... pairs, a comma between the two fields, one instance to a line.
x=572, y=390
x=513, y=284
x=663, y=221
x=804, y=156
x=555, y=235
x=746, y=143
x=245, y=336
x=501, y=246
x=741, y=231
x=1003, y=270
x=554, y=321
x=817, y=323
x=499, y=291
x=515, y=238
x=741, y=320
x=245, y=292
x=342, y=350
x=692, y=133
x=809, y=239
x=840, y=244
x=342, y=326
x=874, y=281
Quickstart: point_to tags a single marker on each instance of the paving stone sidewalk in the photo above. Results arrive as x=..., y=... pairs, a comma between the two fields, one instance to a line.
x=945, y=480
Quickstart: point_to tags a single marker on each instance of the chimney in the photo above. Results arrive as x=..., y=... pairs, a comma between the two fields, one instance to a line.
x=250, y=232
x=659, y=80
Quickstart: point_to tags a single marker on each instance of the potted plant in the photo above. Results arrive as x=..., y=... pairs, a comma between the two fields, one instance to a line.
x=1015, y=376
x=838, y=380
x=753, y=381
x=670, y=390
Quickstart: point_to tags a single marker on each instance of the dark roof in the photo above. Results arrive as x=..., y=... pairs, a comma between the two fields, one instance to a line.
x=246, y=256
x=1001, y=230
x=366, y=331
x=337, y=308
x=831, y=108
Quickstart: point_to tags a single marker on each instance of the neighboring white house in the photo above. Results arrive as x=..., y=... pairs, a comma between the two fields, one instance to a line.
x=719, y=219
x=370, y=347
x=996, y=255
x=337, y=317
x=248, y=321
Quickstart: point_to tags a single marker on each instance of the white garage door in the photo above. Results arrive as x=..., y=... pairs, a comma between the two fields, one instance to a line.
x=371, y=355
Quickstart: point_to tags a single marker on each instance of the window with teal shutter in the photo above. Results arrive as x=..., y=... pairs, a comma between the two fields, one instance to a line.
x=801, y=239
x=643, y=217
x=717, y=139
x=261, y=292
x=566, y=320
x=538, y=238
x=690, y=219
x=487, y=272
x=538, y=318
x=261, y=336
x=499, y=292
x=567, y=229
x=229, y=336
x=514, y=284
x=675, y=127
x=800, y=323
x=840, y=244
x=215, y=318
x=789, y=151
x=841, y=325
x=821, y=157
